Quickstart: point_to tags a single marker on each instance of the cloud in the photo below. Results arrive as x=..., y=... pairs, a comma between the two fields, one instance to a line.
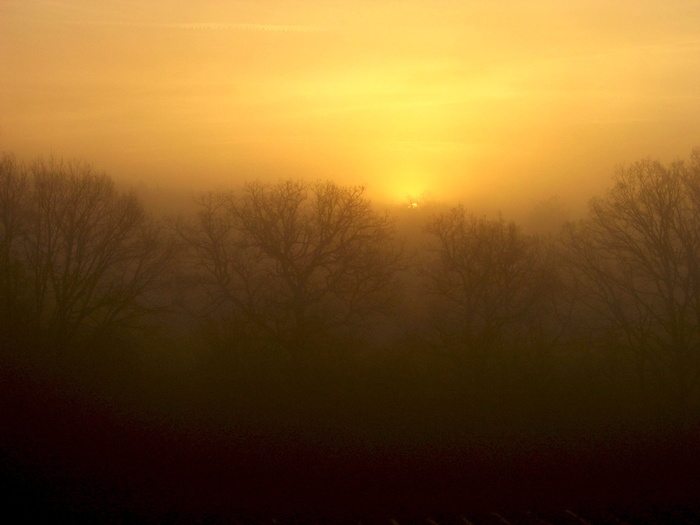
x=247, y=27
x=214, y=26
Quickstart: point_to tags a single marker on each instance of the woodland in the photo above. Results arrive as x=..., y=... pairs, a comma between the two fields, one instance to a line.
x=290, y=345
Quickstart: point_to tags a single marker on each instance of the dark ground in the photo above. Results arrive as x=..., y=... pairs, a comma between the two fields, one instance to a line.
x=69, y=456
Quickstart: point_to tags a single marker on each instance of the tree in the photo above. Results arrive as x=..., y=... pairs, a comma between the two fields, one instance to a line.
x=636, y=262
x=296, y=261
x=14, y=189
x=489, y=282
x=85, y=255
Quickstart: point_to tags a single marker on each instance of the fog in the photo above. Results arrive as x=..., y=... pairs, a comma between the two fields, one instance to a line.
x=350, y=262
x=509, y=103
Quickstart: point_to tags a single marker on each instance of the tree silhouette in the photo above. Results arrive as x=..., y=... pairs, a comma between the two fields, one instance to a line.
x=487, y=279
x=296, y=261
x=84, y=255
x=636, y=261
x=14, y=189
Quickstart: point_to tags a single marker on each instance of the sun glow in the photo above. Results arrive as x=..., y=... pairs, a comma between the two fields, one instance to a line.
x=458, y=99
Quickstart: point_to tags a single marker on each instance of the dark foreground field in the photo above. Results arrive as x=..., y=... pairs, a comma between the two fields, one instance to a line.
x=70, y=456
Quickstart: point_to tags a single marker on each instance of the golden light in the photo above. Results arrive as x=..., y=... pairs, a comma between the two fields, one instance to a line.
x=451, y=98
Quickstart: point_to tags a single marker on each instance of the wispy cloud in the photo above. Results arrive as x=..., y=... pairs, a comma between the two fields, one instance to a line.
x=248, y=27
x=214, y=26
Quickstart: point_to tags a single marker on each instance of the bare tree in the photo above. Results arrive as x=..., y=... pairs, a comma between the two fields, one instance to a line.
x=86, y=254
x=635, y=260
x=487, y=279
x=13, y=222
x=296, y=261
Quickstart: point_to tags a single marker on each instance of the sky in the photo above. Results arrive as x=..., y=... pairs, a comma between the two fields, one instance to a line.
x=495, y=102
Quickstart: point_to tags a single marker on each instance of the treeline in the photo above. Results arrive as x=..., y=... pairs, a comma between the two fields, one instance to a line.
x=300, y=304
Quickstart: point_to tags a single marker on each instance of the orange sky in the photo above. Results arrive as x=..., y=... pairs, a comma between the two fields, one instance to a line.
x=497, y=101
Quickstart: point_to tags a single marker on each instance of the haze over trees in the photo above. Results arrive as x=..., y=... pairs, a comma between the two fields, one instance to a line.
x=299, y=265
x=635, y=261
x=308, y=273
x=490, y=287
x=79, y=257
x=296, y=309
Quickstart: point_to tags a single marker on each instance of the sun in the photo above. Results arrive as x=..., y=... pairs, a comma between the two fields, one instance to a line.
x=405, y=187
x=410, y=192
